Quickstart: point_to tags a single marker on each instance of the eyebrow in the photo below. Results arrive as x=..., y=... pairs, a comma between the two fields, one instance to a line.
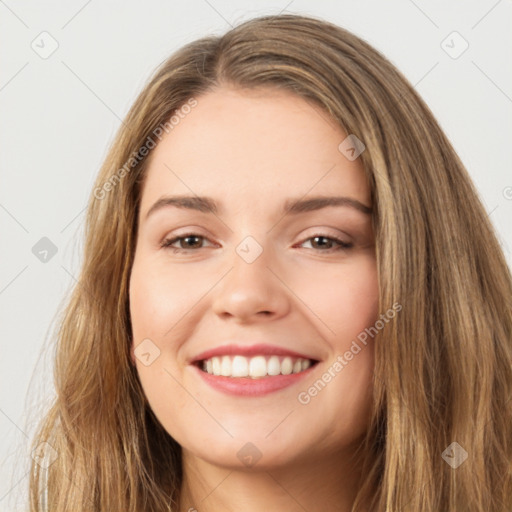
x=291, y=206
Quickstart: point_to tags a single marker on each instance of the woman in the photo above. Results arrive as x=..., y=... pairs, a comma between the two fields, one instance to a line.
x=218, y=355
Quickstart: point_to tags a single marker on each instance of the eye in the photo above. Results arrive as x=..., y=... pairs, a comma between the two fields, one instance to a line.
x=194, y=241
x=319, y=240
x=191, y=242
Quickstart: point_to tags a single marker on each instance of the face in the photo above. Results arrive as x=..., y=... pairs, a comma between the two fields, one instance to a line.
x=255, y=286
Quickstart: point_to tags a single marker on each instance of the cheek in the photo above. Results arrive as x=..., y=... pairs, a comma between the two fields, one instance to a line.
x=345, y=299
x=157, y=299
x=156, y=305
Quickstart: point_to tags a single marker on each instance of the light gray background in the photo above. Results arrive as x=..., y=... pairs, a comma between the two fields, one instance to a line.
x=60, y=113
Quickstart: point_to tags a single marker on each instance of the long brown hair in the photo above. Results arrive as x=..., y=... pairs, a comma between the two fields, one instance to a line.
x=443, y=366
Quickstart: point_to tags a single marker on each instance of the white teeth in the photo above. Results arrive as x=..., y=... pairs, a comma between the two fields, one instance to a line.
x=258, y=366
x=225, y=366
x=274, y=366
x=287, y=366
x=255, y=367
x=240, y=367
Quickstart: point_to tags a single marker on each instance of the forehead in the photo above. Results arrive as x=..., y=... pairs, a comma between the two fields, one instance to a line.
x=240, y=145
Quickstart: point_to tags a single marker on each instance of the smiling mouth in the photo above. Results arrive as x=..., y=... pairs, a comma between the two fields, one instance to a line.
x=256, y=367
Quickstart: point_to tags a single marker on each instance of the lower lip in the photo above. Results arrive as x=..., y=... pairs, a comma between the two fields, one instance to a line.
x=245, y=386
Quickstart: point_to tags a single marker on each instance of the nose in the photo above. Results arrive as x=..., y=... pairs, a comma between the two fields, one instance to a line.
x=251, y=292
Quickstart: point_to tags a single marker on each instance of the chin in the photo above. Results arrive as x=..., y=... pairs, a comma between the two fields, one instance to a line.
x=246, y=455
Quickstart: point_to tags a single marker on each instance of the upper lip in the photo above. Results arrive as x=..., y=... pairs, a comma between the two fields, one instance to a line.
x=249, y=350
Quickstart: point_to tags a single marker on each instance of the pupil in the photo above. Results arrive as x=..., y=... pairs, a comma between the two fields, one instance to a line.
x=191, y=238
x=316, y=238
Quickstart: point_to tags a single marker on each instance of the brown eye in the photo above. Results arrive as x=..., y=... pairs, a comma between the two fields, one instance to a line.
x=188, y=241
x=191, y=241
x=328, y=244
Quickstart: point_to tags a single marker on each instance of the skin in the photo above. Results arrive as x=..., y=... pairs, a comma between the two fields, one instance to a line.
x=251, y=151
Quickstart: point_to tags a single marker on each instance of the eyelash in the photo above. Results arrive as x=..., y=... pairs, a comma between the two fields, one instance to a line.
x=342, y=246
